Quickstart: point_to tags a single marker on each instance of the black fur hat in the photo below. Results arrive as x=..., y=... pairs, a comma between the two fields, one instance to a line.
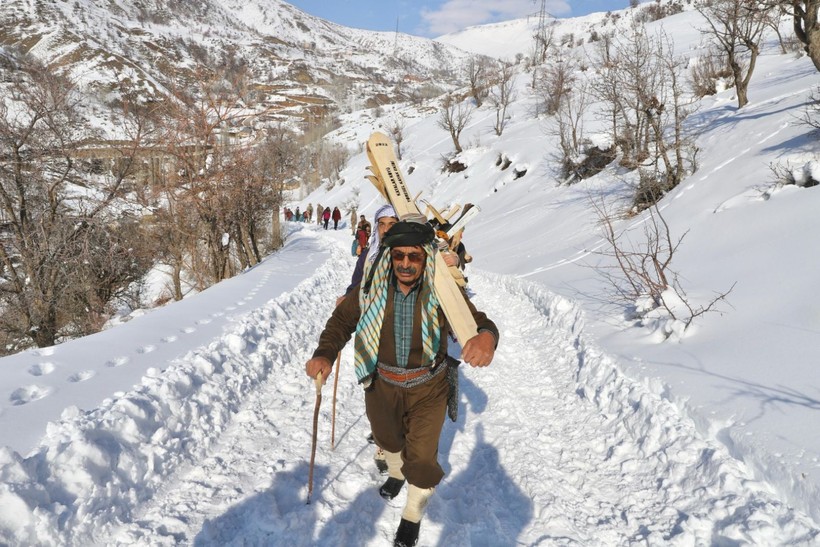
x=408, y=233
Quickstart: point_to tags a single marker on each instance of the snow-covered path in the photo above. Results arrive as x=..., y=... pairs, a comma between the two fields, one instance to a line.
x=552, y=447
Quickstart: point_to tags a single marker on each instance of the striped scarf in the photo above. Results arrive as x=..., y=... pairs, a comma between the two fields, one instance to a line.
x=373, y=303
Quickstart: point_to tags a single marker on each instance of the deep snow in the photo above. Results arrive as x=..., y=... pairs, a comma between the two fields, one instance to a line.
x=191, y=423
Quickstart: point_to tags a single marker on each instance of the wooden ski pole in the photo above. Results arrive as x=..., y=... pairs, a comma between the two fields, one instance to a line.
x=318, y=382
x=333, y=414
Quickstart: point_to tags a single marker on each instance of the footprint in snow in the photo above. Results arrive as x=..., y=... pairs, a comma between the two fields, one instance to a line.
x=167, y=339
x=43, y=352
x=147, y=349
x=41, y=369
x=187, y=330
x=118, y=362
x=81, y=376
x=203, y=321
x=27, y=394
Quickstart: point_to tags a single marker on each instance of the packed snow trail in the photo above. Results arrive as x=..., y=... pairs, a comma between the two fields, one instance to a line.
x=552, y=447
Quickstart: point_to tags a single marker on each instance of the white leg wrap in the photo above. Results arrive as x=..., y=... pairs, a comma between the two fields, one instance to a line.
x=394, y=464
x=417, y=499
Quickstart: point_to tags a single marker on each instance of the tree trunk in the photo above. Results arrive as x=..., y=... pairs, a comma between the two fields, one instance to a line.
x=813, y=47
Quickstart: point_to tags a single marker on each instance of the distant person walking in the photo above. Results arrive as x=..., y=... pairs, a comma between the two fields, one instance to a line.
x=319, y=211
x=337, y=216
x=326, y=217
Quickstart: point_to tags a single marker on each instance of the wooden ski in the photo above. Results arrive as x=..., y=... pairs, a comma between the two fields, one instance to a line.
x=390, y=181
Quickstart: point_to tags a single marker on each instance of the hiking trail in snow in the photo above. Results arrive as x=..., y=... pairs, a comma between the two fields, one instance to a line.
x=553, y=446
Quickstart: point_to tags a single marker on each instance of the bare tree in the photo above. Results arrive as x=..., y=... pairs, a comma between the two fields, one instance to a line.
x=644, y=94
x=568, y=126
x=62, y=246
x=502, y=95
x=396, y=130
x=556, y=81
x=737, y=28
x=606, y=87
x=806, y=27
x=772, y=16
x=477, y=70
x=454, y=117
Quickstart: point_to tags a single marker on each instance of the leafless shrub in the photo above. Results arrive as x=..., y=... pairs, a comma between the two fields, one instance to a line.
x=592, y=161
x=811, y=111
x=790, y=175
x=641, y=276
x=708, y=71
x=450, y=165
x=656, y=11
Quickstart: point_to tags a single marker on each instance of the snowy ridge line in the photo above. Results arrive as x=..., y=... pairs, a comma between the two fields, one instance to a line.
x=136, y=442
x=662, y=432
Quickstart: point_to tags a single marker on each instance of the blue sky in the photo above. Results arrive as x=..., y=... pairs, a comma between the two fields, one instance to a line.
x=436, y=17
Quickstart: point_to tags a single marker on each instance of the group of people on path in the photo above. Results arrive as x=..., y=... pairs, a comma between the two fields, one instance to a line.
x=400, y=354
x=323, y=215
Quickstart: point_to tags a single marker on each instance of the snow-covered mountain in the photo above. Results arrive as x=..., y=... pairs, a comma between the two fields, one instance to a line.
x=296, y=60
x=191, y=424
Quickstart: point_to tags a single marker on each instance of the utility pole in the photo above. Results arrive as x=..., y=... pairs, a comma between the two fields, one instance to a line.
x=541, y=34
x=396, y=40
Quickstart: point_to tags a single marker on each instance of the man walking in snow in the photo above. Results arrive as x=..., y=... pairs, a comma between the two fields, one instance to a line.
x=401, y=361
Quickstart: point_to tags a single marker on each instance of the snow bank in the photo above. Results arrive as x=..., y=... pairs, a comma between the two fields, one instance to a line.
x=96, y=467
x=716, y=494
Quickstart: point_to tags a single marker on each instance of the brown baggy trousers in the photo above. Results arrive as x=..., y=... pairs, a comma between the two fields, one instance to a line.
x=409, y=420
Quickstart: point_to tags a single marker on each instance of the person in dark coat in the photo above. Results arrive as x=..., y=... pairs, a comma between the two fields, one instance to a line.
x=400, y=355
x=337, y=216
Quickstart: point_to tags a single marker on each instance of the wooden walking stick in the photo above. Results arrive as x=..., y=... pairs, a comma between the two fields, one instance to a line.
x=333, y=414
x=315, y=427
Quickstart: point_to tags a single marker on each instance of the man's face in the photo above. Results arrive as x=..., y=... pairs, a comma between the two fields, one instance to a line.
x=384, y=224
x=408, y=264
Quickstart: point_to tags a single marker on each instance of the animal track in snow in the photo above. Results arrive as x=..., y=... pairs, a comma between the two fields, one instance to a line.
x=43, y=352
x=118, y=362
x=41, y=369
x=81, y=376
x=27, y=394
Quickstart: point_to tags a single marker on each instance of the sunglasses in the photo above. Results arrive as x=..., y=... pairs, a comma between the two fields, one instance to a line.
x=399, y=256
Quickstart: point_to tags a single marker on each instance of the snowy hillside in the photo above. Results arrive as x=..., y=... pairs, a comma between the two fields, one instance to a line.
x=192, y=423
x=288, y=54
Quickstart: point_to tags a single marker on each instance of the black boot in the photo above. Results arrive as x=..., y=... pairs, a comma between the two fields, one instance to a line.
x=391, y=488
x=407, y=535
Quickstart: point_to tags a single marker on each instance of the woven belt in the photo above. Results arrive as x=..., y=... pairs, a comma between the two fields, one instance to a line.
x=409, y=377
